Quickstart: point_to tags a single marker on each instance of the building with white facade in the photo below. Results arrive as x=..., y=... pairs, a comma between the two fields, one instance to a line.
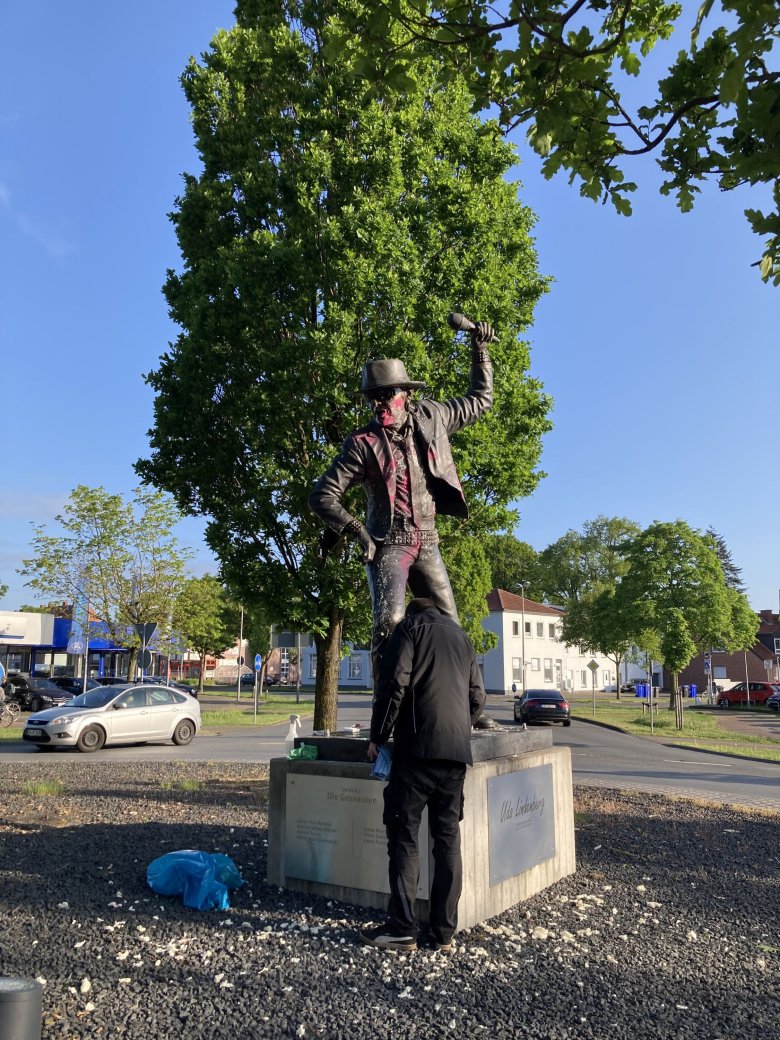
x=531, y=631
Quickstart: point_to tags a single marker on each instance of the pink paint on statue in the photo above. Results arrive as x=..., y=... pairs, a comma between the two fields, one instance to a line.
x=391, y=415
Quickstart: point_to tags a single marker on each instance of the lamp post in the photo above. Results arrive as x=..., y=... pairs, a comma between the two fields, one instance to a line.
x=522, y=638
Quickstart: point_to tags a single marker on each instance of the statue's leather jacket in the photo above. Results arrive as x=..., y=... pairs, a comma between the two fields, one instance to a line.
x=366, y=458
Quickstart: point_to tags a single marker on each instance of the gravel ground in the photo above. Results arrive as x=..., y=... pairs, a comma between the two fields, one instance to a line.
x=669, y=928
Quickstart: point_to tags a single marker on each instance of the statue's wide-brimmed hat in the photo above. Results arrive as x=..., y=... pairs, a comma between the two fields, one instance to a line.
x=385, y=373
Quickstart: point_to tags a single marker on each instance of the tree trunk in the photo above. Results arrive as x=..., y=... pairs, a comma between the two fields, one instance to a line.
x=132, y=665
x=617, y=659
x=326, y=692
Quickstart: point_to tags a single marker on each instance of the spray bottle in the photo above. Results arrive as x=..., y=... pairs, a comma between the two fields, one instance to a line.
x=292, y=733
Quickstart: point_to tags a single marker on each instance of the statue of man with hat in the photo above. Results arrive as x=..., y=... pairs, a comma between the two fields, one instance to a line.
x=403, y=460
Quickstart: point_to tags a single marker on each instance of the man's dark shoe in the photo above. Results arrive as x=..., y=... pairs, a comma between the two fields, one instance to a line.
x=386, y=939
x=485, y=722
x=444, y=947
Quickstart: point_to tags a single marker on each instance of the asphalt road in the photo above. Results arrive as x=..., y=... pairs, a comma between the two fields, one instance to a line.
x=601, y=757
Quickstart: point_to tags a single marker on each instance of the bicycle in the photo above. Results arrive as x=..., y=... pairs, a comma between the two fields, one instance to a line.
x=7, y=716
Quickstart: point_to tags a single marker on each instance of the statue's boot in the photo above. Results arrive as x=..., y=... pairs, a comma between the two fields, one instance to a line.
x=485, y=722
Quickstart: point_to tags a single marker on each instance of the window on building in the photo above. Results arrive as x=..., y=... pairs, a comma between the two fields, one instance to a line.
x=548, y=672
x=777, y=645
x=284, y=663
x=528, y=628
x=584, y=679
x=517, y=674
x=540, y=629
x=356, y=667
x=553, y=632
x=313, y=666
x=535, y=664
x=515, y=628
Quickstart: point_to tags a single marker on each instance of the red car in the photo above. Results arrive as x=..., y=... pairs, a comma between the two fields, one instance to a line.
x=759, y=693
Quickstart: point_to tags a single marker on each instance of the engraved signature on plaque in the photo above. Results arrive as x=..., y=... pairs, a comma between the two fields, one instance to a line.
x=521, y=823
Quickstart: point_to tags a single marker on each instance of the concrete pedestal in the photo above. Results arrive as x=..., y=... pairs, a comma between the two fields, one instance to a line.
x=326, y=834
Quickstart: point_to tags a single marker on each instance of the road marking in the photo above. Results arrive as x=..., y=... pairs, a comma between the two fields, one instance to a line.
x=695, y=762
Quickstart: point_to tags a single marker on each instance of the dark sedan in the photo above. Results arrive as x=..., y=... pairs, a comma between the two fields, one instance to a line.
x=542, y=706
x=172, y=684
x=72, y=685
x=33, y=693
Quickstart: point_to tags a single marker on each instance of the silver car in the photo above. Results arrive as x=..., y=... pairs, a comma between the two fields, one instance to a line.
x=116, y=715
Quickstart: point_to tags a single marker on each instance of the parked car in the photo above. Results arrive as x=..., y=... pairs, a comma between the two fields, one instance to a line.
x=759, y=693
x=248, y=679
x=31, y=692
x=630, y=686
x=174, y=684
x=127, y=714
x=774, y=701
x=72, y=685
x=542, y=706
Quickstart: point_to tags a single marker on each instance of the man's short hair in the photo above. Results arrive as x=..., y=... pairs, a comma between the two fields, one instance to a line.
x=419, y=604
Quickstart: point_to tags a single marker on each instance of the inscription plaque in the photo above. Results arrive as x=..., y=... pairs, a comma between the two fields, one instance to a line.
x=521, y=821
x=334, y=833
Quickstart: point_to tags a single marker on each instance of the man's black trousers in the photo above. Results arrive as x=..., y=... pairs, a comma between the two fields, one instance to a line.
x=415, y=783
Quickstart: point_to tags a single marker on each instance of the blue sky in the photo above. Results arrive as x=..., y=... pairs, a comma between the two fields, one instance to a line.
x=658, y=341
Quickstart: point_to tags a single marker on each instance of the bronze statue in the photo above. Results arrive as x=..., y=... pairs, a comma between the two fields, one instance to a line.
x=403, y=460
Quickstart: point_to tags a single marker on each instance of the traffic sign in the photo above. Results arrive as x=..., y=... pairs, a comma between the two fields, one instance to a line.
x=240, y=660
x=258, y=662
x=593, y=665
x=145, y=659
x=146, y=631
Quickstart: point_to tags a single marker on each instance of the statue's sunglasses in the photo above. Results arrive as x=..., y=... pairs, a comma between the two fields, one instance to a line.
x=386, y=394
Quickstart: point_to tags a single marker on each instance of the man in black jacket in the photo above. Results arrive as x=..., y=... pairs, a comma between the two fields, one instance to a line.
x=429, y=694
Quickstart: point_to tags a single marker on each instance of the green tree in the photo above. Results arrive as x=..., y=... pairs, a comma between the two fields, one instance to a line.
x=569, y=72
x=257, y=632
x=467, y=563
x=582, y=569
x=56, y=609
x=731, y=572
x=204, y=616
x=3, y=590
x=121, y=556
x=675, y=596
x=322, y=231
x=513, y=564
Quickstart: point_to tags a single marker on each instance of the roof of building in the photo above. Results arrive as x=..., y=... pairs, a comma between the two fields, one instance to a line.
x=498, y=600
x=770, y=622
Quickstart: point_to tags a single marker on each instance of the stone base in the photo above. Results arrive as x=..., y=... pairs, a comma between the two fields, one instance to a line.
x=326, y=834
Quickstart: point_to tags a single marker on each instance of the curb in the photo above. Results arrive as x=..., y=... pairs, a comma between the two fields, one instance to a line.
x=680, y=747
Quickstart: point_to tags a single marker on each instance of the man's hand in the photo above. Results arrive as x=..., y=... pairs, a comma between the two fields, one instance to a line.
x=482, y=334
x=361, y=535
x=373, y=751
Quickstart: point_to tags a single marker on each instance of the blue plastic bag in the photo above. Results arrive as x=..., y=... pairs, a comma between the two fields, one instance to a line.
x=201, y=878
x=383, y=763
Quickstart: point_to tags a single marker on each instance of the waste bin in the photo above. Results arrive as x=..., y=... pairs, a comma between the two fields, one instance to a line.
x=641, y=690
x=694, y=690
x=686, y=691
